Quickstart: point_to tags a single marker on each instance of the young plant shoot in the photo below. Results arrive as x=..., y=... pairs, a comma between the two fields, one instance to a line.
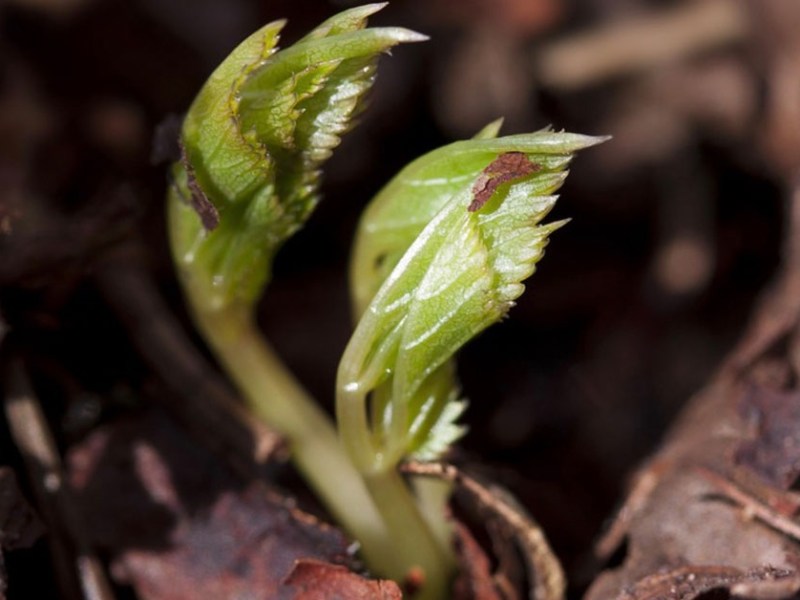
x=440, y=255
x=252, y=145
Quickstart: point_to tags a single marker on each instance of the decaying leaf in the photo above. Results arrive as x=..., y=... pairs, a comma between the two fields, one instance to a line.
x=499, y=510
x=774, y=451
x=316, y=580
x=697, y=582
x=175, y=521
x=475, y=579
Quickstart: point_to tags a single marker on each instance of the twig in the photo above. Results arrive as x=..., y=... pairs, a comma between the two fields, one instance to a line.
x=78, y=569
x=202, y=402
x=752, y=506
x=545, y=570
x=643, y=485
x=640, y=44
x=695, y=581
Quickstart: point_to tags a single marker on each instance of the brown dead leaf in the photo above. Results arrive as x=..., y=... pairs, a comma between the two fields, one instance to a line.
x=179, y=525
x=774, y=452
x=509, y=166
x=508, y=525
x=475, y=579
x=316, y=580
x=695, y=582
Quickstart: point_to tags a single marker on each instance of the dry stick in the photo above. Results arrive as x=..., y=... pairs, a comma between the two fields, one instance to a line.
x=644, y=483
x=546, y=571
x=696, y=581
x=78, y=569
x=202, y=402
x=751, y=506
x=639, y=44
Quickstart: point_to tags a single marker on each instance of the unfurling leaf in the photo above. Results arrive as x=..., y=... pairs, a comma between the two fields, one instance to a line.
x=253, y=142
x=400, y=211
x=441, y=254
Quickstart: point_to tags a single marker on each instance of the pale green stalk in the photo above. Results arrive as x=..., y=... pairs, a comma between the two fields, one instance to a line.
x=275, y=396
x=252, y=145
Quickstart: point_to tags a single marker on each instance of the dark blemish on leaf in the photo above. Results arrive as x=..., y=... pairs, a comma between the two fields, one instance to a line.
x=380, y=259
x=199, y=201
x=509, y=166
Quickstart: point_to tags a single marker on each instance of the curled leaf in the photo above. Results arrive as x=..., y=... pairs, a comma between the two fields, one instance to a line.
x=254, y=140
x=401, y=210
x=450, y=277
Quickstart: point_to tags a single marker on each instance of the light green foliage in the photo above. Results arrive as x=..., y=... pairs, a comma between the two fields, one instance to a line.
x=254, y=140
x=433, y=274
x=407, y=203
x=253, y=143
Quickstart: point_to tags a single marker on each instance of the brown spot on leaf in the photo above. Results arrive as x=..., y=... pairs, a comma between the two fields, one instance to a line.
x=509, y=166
x=316, y=580
x=198, y=200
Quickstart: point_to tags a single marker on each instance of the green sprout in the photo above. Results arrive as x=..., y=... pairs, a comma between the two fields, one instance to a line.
x=440, y=255
x=252, y=144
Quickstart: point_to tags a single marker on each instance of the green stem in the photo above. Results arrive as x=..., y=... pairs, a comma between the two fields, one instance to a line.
x=274, y=395
x=420, y=540
x=433, y=497
x=415, y=546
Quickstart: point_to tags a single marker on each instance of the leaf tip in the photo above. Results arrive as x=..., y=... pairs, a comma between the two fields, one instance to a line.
x=361, y=13
x=587, y=141
x=372, y=8
x=555, y=225
x=408, y=36
x=490, y=131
